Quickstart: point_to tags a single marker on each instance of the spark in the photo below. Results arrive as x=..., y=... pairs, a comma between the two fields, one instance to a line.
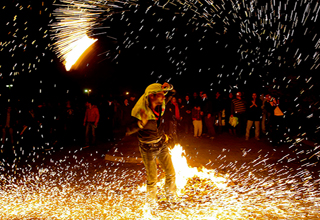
x=115, y=191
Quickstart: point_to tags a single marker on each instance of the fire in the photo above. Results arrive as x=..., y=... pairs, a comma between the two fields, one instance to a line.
x=184, y=172
x=76, y=49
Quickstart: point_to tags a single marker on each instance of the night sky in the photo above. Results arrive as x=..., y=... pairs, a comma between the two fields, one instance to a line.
x=266, y=47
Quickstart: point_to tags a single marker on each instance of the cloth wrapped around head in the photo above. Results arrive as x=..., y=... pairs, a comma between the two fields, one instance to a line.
x=143, y=102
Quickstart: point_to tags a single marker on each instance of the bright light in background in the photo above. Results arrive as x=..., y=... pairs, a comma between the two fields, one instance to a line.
x=76, y=50
x=87, y=91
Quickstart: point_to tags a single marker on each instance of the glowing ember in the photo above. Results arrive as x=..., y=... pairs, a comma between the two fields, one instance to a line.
x=111, y=192
x=76, y=49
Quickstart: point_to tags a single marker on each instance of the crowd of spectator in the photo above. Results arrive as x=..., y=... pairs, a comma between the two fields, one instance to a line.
x=46, y=125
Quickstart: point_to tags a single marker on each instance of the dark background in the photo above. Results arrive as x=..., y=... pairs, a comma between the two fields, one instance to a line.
x=248, y=47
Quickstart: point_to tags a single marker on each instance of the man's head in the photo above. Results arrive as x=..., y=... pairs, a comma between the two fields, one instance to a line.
x=238, y=95
x=132, y=98
x=157, y=98
x=204, y=95
x=126, y=101
x=156, y=92
x=268, y=97
x=254, y=95
x=230, y=95
x=88, y=104
x=187, y=98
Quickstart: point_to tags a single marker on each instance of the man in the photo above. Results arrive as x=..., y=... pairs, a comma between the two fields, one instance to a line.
x=125, y=112
x=227, y=108
x=172, y=118
x=217, y=108
x=91, y=120
x=254, y=115
x=238, y=109
x=148, y=112
x=267, y=111
x=207, y=113
x=8, y=122
x=188, y=116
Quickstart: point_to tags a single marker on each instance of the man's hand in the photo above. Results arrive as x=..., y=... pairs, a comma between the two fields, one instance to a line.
x=165, y=85
x=144, y=117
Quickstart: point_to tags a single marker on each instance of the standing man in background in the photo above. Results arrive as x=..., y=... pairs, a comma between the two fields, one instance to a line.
x=254, y=115
x=238, y=109
x=90, y=121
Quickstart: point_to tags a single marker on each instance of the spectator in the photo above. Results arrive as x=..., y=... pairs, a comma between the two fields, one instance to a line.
x=228, y=103
x=8, y=122
x=238, y=109
x=132, y=100
x=57, y=123
x=217, y=108
x=186, y=119
x=182, y=116
x=107, y=119
x=45, y=119
x=69, y=122
x=254, y=115
x=196, y=100
x=117, y=115
x=188, y=116
x=266, y=114
x=125, y=112
x=173, y=117
x=30, y=130
x=277, y=124
x=207, y=114
x=90, y=121
x=197, y=115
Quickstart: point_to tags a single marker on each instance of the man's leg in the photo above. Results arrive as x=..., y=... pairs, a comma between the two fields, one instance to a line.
x=11, y=135
x=212, y=131
x=220, y=122
x=87, y=133
x=257, y=129
x=93, y=133
x=149, y=161
x=249, y=125
x=195, y=128
x=3, y=135
x=263, y=122
x=164, y=158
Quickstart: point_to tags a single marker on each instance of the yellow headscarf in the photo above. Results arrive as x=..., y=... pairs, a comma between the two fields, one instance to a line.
x=143, y=102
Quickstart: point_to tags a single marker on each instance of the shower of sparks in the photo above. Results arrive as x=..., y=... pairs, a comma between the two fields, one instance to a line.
x=76, y=49
x=73, y=25
x=114, y=192
x=76, y=20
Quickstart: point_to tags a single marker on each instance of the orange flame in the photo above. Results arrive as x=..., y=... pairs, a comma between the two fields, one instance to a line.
x=76, y=49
